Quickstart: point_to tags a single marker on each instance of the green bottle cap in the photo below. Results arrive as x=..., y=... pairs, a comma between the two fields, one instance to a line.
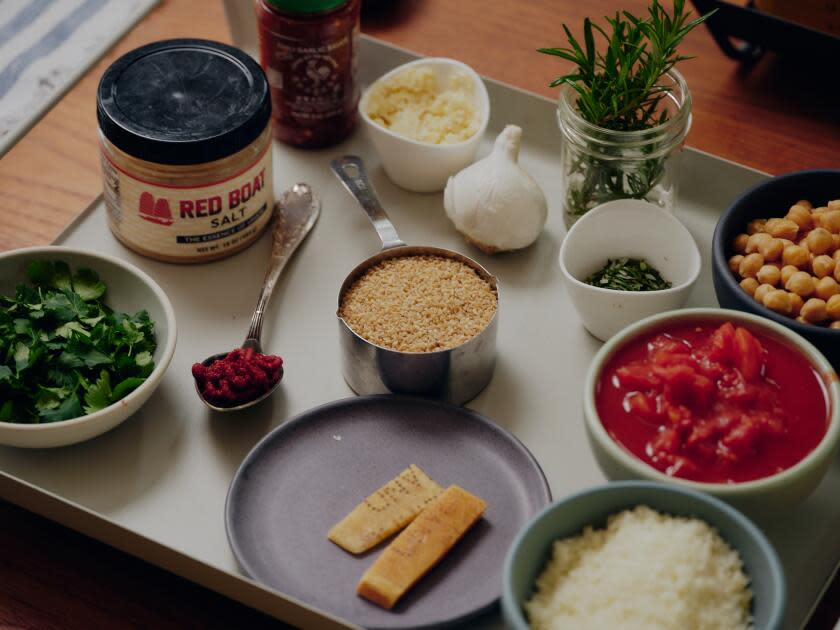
x=306, y=6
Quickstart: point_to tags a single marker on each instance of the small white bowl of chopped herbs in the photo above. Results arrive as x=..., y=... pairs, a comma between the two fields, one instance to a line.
x=85, y=339
x=625, y=260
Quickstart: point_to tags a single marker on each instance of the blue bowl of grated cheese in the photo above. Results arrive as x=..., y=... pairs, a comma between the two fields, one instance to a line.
x=639, y=554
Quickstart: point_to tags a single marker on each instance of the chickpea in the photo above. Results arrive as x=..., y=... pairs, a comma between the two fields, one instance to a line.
x=814, y=311
x=769, y=274
x=819, y=210
x=834, y=325
x=833, y=307
x=835, y=242
x=796, y=303
x=782, y=228
x=778, y=300
x=795, y=255
x=786, y=272
x=735, y=263
x=822, y=266
x=786, y=242
x=750, y=265
x=756, y=240
x=831, y=221
x=800, y=215
x=739, y=245
x=771, y=249
x=834, y=204
x=836, y=256
x=801, y=319
x=803, y=242
x=801, y=283
x=762, y=291
x=819, y=241
x=818, y=219
x=756, y=226
x=826, y=287
x=749, y=285
x=805, y=203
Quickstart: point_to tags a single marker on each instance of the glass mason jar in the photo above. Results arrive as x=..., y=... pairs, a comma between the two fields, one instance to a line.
x=600, y=164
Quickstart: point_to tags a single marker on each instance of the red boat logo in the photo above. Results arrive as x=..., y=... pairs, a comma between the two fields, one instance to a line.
x=154, y=211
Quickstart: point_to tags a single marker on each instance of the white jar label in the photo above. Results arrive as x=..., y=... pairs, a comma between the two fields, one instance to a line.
x=189, y=222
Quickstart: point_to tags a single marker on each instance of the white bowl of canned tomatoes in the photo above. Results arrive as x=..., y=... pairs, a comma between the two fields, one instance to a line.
x=720, y=401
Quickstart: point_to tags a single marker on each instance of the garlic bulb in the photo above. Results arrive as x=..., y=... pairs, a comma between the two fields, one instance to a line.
x=494, y=203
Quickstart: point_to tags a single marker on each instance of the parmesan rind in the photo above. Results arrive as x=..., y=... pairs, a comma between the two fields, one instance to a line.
x=645, y=570
x=386, y=511
x=420, y=546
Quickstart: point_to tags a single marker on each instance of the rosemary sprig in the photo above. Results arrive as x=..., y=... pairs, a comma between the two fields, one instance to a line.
x=620, y=88
x=628, y=274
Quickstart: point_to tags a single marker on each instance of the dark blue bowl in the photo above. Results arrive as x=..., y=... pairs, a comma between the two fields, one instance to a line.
x=772, y=199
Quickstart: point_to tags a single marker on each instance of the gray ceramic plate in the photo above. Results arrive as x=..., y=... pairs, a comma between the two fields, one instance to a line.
x=304, y=476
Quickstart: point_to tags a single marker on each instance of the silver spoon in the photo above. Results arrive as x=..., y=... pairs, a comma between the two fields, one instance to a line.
x=296, y=213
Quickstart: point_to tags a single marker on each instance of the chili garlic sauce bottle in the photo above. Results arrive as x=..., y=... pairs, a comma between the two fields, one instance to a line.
x=186, y=150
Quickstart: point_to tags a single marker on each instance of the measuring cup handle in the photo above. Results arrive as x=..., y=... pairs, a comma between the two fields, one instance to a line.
x=350, y=169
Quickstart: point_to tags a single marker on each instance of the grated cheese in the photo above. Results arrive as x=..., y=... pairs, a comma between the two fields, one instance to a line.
x=644, y=571
x=412, y=104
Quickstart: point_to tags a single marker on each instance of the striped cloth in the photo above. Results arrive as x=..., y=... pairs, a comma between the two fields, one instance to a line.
x=46, y=46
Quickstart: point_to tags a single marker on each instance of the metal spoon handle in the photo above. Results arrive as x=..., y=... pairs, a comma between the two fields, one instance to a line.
x=295, y=214
x=350, y=169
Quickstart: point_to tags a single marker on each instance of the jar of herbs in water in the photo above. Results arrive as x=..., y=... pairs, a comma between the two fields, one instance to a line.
x=308, y=51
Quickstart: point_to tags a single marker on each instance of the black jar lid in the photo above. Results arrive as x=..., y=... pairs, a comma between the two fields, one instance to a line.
x=183, y=101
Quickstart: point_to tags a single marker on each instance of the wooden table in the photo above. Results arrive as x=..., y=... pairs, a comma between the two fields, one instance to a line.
x=777, y=116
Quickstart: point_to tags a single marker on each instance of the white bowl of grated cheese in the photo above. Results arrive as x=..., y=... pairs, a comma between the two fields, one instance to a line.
x=426, y=119
x=682, y=560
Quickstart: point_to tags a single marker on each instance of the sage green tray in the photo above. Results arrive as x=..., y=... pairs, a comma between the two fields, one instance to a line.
x=155, y=486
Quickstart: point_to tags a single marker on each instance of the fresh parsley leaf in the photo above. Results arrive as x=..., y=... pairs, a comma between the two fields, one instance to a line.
x=143, y=358
x=21, y=356
x=40, y=272
x=87, y=284
x=98, y=396
x=93, y=358
x=23, y=327
x=50, y=397
x=61, y=279
x=65, y=330
x=60, y=307
x=127, y=386
x=5, y=373
x=69, y=408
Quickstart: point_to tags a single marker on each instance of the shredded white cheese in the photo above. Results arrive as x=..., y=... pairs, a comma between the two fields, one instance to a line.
x=645, y=571
x=412, y=104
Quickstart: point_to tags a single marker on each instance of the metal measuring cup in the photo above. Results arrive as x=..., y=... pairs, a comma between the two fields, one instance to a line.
x=457, y=374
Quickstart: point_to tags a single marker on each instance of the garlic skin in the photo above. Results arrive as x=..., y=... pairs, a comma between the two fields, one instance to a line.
x=494, y=203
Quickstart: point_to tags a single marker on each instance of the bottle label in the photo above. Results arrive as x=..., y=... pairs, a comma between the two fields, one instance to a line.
x=312, y=80
x=189, y=222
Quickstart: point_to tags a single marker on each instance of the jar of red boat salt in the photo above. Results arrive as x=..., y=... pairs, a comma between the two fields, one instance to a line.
x=186, y=150
x=308, y=51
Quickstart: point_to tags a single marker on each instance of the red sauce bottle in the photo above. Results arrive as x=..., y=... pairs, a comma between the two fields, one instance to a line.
x=308, y=52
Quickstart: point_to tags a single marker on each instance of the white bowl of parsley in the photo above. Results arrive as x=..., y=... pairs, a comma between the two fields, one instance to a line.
x=85, y=339
x=625, y=260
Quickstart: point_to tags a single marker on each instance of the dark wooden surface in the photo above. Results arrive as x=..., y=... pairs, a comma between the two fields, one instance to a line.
x=777, y=116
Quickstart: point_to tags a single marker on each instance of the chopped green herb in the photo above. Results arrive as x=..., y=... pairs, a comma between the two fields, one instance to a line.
x=628, y=274
x=63, y=352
